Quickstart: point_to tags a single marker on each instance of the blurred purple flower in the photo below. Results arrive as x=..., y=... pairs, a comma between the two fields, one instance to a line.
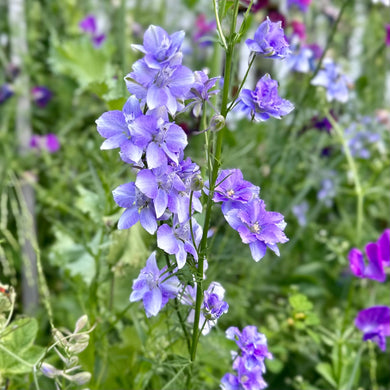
x=359, y=140
x=264, y=101
x=275, y=16
x=387, y=39
x=301, y=61
x=384, y=247
x=48, y=142
x=89, y=26
x=300, y=210
x=154, y=287
x=327, y=191
x=204, y=30
x=5, y=93
x=257, y=4
x=269, y=40
x=303, y=5
x=374, y=269
x=374, y=322
x=299, y=29
x=333, y=80
x=41, y=96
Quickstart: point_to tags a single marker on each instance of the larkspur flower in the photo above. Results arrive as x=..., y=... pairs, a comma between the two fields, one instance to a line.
x=165, y=86
x=154, y=287
x=374, y=322
x=256, y=5
x=303, y=5
x=300, y=210
x=160, y=48
x=269, y=40
x=359, y=140
x=177, y=240
x=301, y=61
x=90, y=26
x=257, y=227
x=48, y=142
x=212, y=308
x=299, y=30
x=327, y=192
x=384, y=247
x=41, y=95
x=373, y=270
x=253, y=345
x=199, y=92
x=6, y=92
x=264, y=101
x=116, y=125
x=335, y=82
x=138, y=208
x=231, y=186
x=246, y=379
x=204, y=30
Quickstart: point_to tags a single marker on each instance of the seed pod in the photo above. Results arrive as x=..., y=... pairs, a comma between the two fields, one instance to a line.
x=217, y=123
x=196, y=183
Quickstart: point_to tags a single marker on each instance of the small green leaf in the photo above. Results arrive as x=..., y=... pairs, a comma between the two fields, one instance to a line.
x=325, y=370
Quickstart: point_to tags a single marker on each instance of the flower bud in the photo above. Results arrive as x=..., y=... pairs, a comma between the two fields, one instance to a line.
x=59, y=337
x=196, y=183
x=81, y=322
x=49, y=371
x=217, y=123
x=81, y=378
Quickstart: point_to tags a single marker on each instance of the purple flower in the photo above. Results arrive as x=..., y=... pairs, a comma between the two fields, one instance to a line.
x=160, y=48
x=269, y=40
x=154, y=287
x=213, y=305
x=231, y=186
x=387, y=39
x=300, y=210
x=373, y=270
x=384, y=247
x=359, y=140
x=257, y=227
x=199, y=92
x=177, y=240
x=256, y=5
x=374, y=322
x=204, y=31
x=5, y=93
x=89, y=26
x=333, y=80
x=138, y=208
x=328, y=190
x=165, y=86
x=48, y=142
x=264, y=101
x=301, y=61
x=303, y=5
x=299, y=30
x=116, y=126
x=41, y=96
x=253, y=345
x=246, y=379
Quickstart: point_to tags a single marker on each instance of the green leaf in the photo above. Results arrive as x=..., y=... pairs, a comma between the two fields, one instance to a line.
x=325, y=370
x=90, y=203
x=300, y=302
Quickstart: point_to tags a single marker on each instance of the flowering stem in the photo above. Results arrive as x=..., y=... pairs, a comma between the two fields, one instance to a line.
x=373, y=364
x=215, y=167
x=351, y=162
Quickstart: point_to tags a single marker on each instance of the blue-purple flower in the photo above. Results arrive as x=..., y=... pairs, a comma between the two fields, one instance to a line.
x=360, y=139
x=41, y=95
x=154, y=287
x=384, y=247
x=5, y=92
x=257, y=227
x=264, y=101
x=204, y=31
x=303, y=5
x=335, y=82
x=300, y=210
x=374, y=322
x=212, y=308
x=160, y=48
x=269, y=40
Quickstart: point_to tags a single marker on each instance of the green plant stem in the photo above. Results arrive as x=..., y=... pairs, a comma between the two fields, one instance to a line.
x=352, y=165
x=373, y=365
x=216, y=163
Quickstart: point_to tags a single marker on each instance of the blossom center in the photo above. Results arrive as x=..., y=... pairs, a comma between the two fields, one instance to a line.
x=256, y=228
x=230, y=192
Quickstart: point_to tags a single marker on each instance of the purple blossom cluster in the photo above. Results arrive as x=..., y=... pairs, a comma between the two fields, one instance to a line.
x=249, y=362
x=245, y=212
x=89, y=25
x=374, y=322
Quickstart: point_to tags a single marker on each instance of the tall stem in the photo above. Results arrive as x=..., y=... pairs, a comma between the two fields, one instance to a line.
x=216, y=163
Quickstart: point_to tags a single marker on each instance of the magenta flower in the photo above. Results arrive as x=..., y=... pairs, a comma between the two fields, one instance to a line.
x=384, y=247
x=387, y=39
x=204, y=30
x=48, y=142
x=299, y=29
x=303, y=5
x=256, y=5
x=89, y=26
x=374, y=322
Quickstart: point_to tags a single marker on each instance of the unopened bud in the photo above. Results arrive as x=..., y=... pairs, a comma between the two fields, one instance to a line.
x=81, y=378
x=81, y=322
x=49, y=371
x=217, y=123
x=77, y=348
x=59, y=337
x=196, y=183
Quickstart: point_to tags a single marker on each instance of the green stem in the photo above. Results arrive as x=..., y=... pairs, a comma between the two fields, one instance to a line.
x=352, y=165
x=373, y=365
x=16, y=357
x=215, y=167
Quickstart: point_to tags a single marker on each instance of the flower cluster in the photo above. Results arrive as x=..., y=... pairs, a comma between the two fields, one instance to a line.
x=48, y=142
x=374, y=322
x=245, y=212
x=249, y=363
x=89, y=25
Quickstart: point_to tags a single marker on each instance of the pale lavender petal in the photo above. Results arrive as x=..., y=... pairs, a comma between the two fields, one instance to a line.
x=166, y=240
x=129, y=218
x=152, y=302
x=146, y=182
x=148, y=220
